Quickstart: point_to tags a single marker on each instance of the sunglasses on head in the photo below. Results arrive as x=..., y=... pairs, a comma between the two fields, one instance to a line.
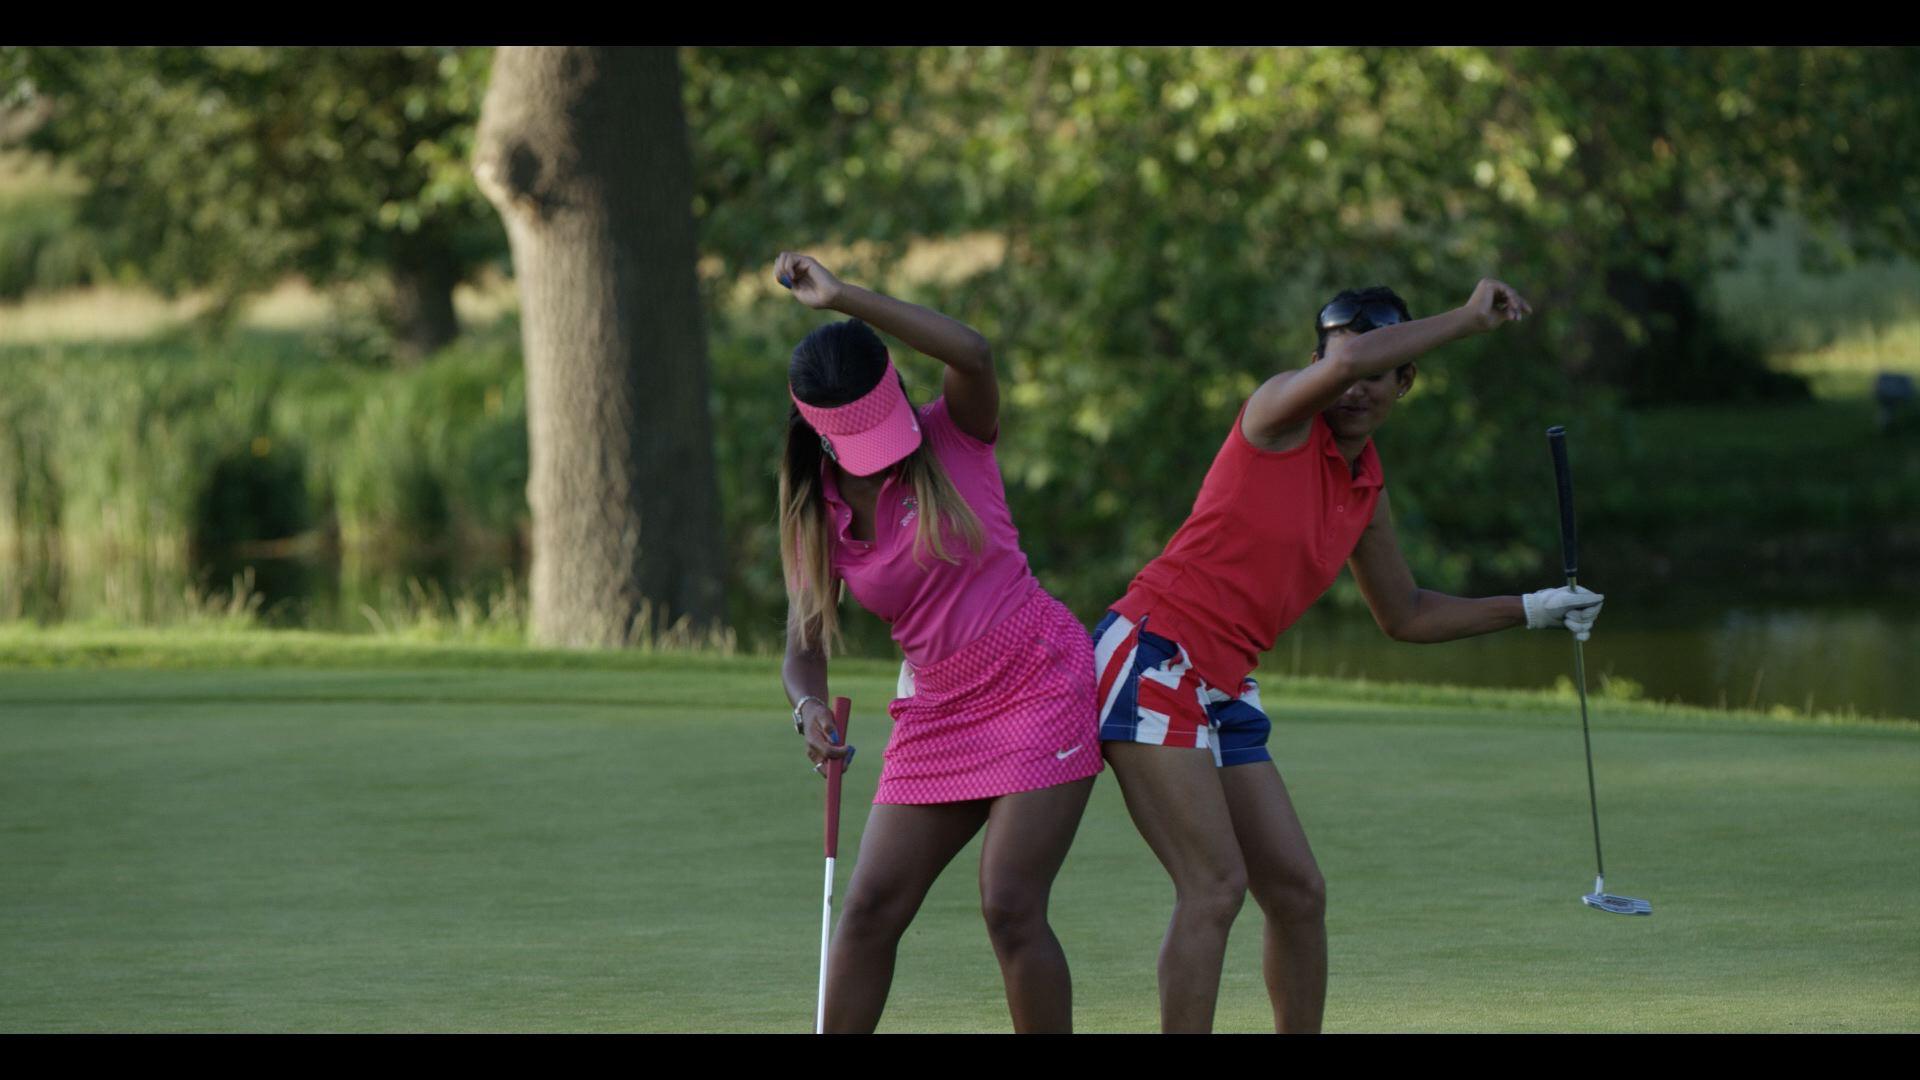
x=1341, y=314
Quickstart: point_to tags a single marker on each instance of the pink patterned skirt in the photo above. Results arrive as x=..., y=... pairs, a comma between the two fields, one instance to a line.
x=1012, y=711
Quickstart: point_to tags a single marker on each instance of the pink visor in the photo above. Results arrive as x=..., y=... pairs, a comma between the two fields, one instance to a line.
x=869, y=433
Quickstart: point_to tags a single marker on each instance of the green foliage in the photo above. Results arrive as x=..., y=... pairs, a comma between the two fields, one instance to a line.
x=253, y=493
x=1839, y=327
x=786, y=141
x=230, y=167
x=1164, y=223
x=1188, y=193
x=1173, y=217
x=42, y=246
x=418, y=457
x=114, y=459
x=1775, y=470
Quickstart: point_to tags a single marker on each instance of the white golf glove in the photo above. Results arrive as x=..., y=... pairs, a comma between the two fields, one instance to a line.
x=1574, y=608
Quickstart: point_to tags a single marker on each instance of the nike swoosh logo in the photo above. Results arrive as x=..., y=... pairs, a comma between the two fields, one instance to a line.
x=1062, y=755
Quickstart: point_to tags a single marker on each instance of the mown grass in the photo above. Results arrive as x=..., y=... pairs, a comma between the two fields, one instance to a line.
x=236, y=644
x=436, y=839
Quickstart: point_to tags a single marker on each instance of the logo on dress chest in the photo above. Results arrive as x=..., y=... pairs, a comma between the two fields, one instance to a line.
x=911, y=506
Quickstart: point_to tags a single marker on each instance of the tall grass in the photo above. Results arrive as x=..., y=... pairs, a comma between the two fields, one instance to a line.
x=109, y=453
x=128, y=443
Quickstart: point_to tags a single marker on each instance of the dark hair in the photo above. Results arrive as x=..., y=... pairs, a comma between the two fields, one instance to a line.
x=837, y=363
x=1361, y=324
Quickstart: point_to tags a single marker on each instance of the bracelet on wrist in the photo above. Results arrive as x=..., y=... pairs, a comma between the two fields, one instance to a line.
x=799, y=726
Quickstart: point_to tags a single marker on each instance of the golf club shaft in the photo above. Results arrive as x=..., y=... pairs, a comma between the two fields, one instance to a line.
x=836, y=767
x=1570, y=560
x=1593, y=800
x=842, y=707
x=826, y=929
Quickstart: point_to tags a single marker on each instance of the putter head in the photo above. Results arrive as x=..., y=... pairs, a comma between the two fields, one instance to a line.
x=1619, y=905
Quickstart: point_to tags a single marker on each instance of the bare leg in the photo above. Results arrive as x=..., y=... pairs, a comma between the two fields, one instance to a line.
x=1176, y=800
x=902, y=851
x=1028, y=834
x=1287, y=885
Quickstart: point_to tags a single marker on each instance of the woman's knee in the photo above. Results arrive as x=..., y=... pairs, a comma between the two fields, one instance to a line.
x=1214, y=894
x=874, y=912
x=1298, y=895
x=1015, y=914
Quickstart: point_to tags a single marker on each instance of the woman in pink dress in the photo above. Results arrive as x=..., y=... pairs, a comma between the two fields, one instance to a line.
x=994, y=721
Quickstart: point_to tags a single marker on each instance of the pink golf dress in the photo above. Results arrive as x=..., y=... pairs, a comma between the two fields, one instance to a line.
x=998, y=692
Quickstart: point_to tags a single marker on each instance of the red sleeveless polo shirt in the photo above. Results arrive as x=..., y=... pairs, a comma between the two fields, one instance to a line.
x=1267, y=536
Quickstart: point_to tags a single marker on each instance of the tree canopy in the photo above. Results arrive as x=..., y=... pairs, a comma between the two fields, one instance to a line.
x=230, y=167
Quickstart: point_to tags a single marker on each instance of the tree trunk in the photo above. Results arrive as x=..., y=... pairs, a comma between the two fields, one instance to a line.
x=584, y=152
x=424, y=274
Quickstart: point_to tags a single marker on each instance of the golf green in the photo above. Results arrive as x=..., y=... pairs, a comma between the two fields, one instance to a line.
x=637, y=848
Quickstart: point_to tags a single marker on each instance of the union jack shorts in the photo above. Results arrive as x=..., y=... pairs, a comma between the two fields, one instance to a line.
x=1149, y=693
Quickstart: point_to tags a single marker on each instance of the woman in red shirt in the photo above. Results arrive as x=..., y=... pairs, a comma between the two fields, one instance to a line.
x=1295, y=492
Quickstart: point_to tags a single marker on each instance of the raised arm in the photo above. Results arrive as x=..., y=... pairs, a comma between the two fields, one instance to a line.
x=1280, y=410
x=971, y=388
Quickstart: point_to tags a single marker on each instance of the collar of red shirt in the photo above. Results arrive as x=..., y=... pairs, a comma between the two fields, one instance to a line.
x=1368, y=475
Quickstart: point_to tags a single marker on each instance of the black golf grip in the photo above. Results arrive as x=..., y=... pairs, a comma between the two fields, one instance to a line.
x=1563, y=476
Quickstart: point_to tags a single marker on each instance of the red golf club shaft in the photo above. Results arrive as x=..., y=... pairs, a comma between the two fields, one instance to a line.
x=835, y=766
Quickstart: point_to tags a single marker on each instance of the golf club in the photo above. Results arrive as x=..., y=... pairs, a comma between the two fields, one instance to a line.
x=835, y=767
x=1569, y=550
